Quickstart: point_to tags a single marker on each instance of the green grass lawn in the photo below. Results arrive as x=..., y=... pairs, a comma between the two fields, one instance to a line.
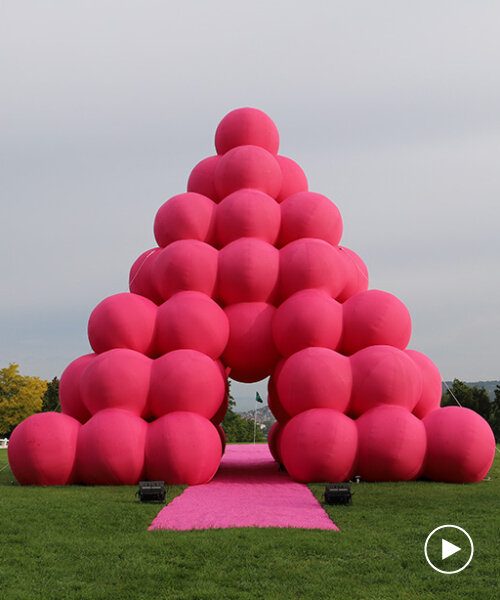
x=92, y=543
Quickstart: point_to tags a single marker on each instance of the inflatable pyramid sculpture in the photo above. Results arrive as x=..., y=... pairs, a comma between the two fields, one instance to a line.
x=248, y=279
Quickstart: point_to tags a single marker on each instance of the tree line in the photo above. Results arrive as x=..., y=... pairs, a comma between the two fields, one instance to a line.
x=24, y=395
x=477, y=399
x=239, y=429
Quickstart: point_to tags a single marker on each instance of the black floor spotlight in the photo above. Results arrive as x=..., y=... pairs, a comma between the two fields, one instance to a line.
x=151, y=491
x=338, y=493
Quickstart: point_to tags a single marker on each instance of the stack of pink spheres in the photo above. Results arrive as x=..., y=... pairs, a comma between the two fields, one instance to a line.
x=248, y=279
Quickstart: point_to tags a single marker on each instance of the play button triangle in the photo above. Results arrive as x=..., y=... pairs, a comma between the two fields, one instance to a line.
x=448, y=549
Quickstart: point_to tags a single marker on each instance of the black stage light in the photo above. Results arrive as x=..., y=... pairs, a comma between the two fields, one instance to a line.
x=338, y=493
x=151, y=491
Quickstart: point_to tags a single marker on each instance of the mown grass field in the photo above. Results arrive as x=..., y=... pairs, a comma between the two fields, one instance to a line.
x=92, y=543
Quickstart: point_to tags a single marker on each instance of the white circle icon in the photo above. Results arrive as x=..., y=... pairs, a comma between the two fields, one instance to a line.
x=448, y=549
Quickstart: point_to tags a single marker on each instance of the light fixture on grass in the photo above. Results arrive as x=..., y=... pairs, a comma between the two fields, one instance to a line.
x=338, y=493
x=151, y=491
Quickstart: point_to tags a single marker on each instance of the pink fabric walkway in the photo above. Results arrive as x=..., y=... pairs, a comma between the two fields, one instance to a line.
x=247, y=491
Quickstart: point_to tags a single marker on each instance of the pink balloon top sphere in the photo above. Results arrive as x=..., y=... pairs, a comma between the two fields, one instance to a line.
x=247, y=126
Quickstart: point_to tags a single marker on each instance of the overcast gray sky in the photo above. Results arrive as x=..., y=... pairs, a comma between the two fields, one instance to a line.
x=391, y=108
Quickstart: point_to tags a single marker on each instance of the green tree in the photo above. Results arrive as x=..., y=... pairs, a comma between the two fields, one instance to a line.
x=475, y=398
x=238, y=429
x=50, y=400
x=20, y=397
x=495, y=414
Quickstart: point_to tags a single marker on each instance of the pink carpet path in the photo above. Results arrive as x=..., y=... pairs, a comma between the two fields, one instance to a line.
x=248, y=490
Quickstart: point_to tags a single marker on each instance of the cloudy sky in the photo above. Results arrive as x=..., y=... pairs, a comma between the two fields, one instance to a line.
x=391, y=108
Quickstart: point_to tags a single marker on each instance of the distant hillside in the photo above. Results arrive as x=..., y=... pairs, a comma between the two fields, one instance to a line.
x=263, y=414
x=489, y=386
x=265, y=418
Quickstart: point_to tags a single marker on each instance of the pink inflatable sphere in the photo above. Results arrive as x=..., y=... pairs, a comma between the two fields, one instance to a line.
x=356, y=274
x=188, y=216
x=202, y=178
x=186, y=380
x=140, y=279
x=69, y=389
x=194, y=321
x=383, y=375
x=308, y=318
x=460, y=445
x=247, y=213
x=250, y=352
x=185, y=265
x=293, y=177
x=314, y=378
x=310, y=263
x=375, y=317
x=248, y=167
x=248, y=271
x=182, y=448
x=117, y=379
x=222, y=435
x=391, y=444
x=430, y=398
x=310, y=215
x=42, y=449
x=246, y=126
x=111, y=448
x=276, y=407
x=274, y=440
x=319, y=445
x=273, y=401
x=123, y=321
x=221, y=411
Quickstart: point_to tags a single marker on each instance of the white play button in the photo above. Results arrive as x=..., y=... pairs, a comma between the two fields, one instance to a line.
x=437, y=549
x=448, y=549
